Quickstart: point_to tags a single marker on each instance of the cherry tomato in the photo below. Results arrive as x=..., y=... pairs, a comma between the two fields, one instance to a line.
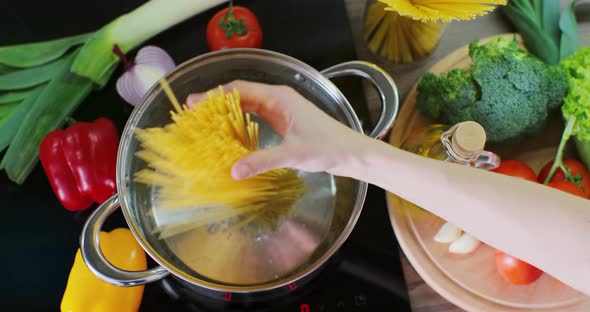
x=234, y=27
x=567, y=186
x=575, y=168
x=516, y=271
x=516, y=168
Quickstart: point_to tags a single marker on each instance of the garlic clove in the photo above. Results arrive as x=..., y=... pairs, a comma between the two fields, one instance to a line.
x=447, y=233
x=464, y=245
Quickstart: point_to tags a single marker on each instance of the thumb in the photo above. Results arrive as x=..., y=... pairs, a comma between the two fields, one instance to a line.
x=259, y=162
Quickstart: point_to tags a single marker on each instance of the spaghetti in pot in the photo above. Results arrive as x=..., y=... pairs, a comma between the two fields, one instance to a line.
x=189, y=162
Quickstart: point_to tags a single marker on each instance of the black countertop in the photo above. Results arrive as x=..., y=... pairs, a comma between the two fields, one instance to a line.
x=38, y=237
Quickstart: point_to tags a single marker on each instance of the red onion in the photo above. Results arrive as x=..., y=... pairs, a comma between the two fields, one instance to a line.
x=151, y=64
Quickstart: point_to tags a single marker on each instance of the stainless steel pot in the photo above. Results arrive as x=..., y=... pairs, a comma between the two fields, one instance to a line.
x=221, y=260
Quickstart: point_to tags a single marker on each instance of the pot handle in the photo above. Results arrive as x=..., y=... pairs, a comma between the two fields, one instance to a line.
x=95, y=259
x=384, y=84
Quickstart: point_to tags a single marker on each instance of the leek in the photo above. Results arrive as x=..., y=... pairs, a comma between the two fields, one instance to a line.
x=64, y=71
x=548, y=34
x=35, y=54
x=131, y=30
x=6, y=111
x=570, y=38
x=66, y=92
x=31, y=77
x=15, y=96
x=6, y=69
x=11, y=123
x=531, y=20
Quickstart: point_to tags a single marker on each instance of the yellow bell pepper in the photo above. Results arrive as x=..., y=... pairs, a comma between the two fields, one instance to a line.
x=87, y=293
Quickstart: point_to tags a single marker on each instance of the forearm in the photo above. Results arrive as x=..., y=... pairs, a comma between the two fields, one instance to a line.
x=545, y=227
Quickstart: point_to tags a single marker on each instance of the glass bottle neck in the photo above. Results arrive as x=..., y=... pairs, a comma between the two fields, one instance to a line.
x=477, y=158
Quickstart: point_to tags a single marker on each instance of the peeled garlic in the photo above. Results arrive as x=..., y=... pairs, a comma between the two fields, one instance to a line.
x=448, y=233
x=464, y=245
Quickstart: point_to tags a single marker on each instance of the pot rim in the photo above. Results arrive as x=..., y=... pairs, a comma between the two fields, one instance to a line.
x=122, y=177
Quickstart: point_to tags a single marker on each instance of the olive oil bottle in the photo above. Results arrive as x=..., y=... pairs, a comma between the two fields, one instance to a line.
x=462, y=143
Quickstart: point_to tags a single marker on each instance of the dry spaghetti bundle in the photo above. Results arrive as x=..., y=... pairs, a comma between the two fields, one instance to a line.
x=442, y=10
x=406, y=30
x=189, y=163
x=399, y=38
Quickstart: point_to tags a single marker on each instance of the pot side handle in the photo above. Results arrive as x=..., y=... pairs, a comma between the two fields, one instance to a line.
x=384, y=84
x=97, y=262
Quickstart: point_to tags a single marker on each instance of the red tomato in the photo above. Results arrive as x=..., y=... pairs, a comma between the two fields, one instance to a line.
x=516, y=168
x=234, y=27
x=568, y=187
x=516, y=271
x=575, y=168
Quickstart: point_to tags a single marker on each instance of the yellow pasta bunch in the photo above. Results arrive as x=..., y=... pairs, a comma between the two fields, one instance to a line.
x=189, y=162
x=406, y=30
x=442, y=10
x=399, y=38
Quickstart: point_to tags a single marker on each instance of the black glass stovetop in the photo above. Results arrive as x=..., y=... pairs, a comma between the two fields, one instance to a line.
x=39, y=238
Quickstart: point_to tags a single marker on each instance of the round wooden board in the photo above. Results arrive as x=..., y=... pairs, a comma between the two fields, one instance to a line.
x=471, y=281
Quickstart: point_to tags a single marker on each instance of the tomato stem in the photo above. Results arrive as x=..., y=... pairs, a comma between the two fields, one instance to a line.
x=231, y=25
x=558, y=162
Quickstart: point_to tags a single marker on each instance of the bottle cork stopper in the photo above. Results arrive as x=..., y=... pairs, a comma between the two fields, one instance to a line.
x=469, y=138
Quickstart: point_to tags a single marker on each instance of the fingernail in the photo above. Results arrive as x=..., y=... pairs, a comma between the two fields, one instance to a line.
x=240, y=171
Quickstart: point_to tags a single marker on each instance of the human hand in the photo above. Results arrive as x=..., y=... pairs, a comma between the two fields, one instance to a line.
x=312, y=140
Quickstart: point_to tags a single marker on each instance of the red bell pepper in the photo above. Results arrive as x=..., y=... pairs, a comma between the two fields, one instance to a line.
x=80, y=162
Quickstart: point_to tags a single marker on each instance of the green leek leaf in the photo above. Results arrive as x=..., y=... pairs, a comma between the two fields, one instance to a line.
x=48, y=112
x=130, y=30
x=6, y=110
x=31, y=77
x=96, y=57
x=522, y=15
x=93, y=65
x=550, y=19
x=104, y=79
x=15, y=96
x=538, y=9
x=39, y=53
x=570, y=38
x=6, y=69
x=10, y=126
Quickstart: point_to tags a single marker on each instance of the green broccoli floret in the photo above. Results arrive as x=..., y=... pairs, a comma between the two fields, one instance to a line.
x=508, y=91
x=557, y=88
x=456, y=89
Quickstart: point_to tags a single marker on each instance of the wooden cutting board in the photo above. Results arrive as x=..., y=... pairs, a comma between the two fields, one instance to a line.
x=471, y=282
